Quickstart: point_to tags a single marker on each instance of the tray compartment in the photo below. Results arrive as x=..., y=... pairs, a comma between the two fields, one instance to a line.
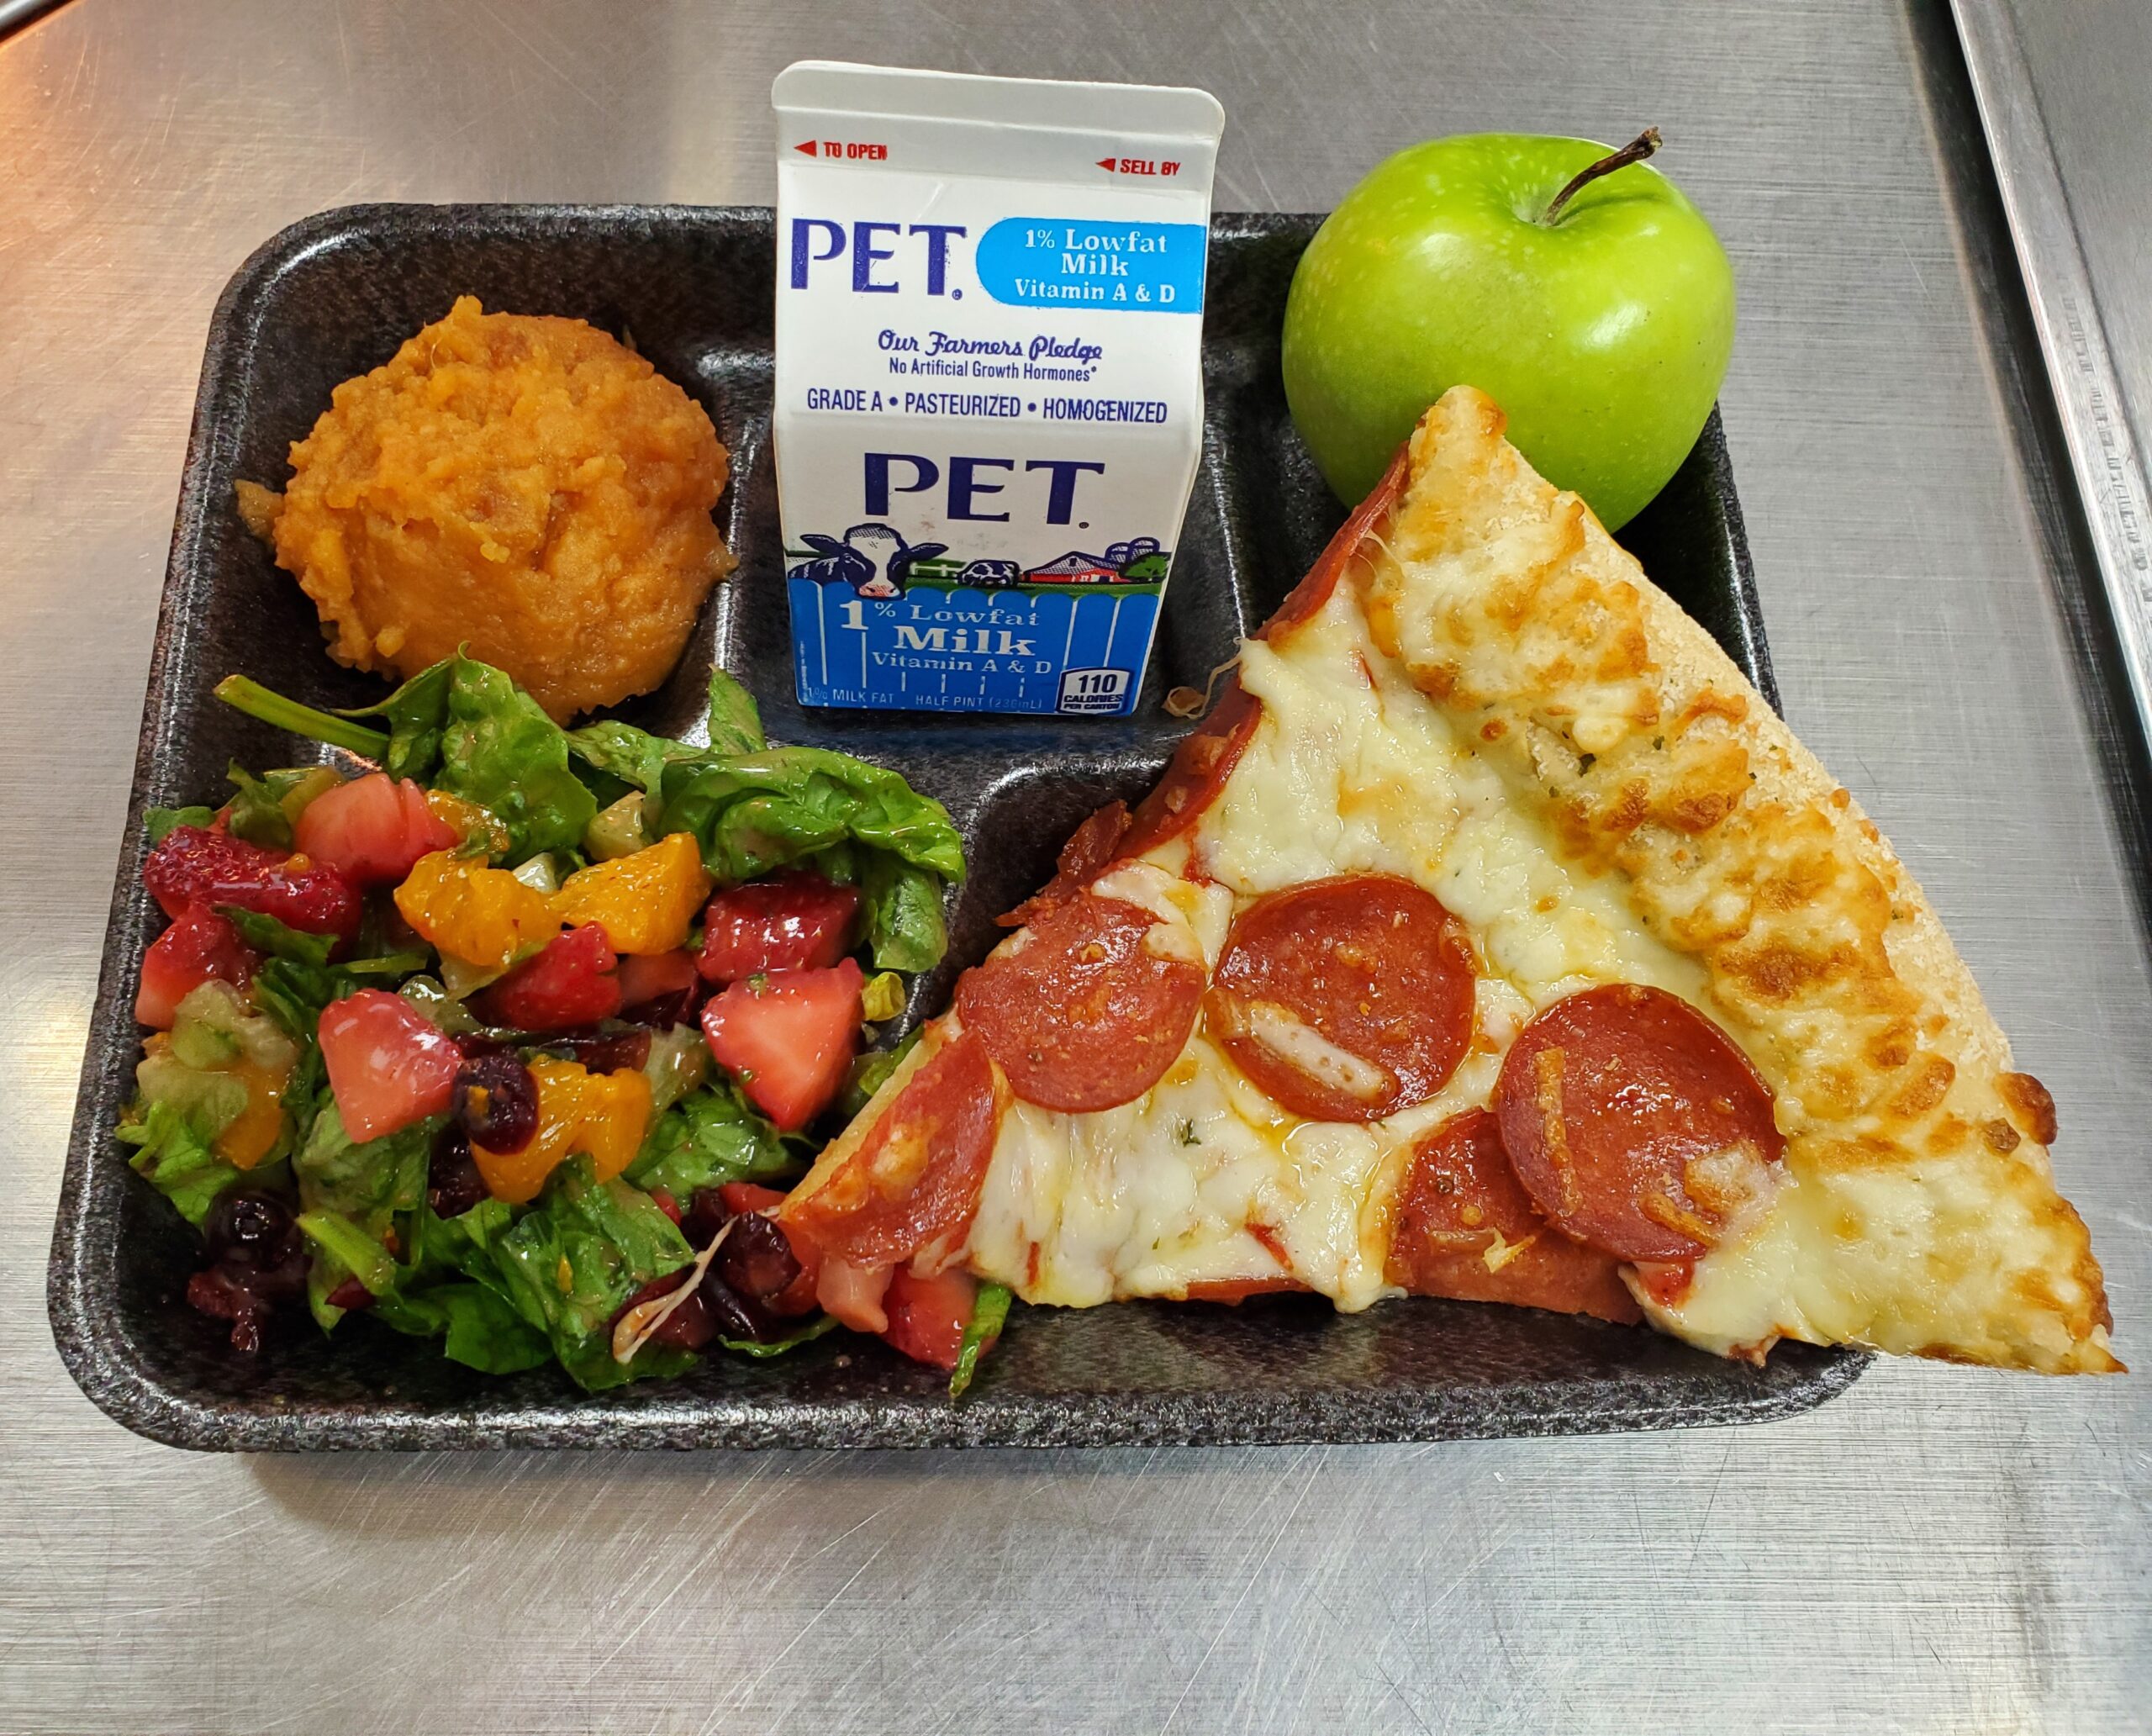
x=334, y=296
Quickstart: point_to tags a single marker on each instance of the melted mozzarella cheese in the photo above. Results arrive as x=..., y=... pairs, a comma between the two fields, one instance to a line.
x=1204, y=1179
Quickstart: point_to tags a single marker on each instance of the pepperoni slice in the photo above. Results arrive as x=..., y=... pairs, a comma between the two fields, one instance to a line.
x=1312, y=592
x=1346, y=999
x=1614, y=1101
x=1090, y=847
x=1465, y=1227
x=1082, y=1010
x=1200, y=766
x=912, y=1185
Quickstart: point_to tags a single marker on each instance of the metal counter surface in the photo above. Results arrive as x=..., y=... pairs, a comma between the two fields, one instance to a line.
x=1941, y=1549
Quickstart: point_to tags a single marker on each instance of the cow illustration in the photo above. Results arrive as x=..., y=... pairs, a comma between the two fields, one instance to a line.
x=873, y=559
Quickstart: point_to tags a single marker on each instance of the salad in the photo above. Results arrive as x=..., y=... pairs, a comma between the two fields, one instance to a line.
x=510, y=1035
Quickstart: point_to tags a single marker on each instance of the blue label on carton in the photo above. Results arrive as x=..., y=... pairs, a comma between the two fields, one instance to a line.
x=1074, y=650
x=1053, y=262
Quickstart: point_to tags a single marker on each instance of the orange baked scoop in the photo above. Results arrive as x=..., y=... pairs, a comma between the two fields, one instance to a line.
x=523, y=486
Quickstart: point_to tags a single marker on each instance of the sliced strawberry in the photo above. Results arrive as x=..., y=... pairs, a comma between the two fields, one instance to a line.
x=794, y=921
x=388, y=1064
x=658, y=989
x=789, y=1037
x=198, y=865
x=199, y=946
x=571, y=983
x=928, y=1316
x=371, y=829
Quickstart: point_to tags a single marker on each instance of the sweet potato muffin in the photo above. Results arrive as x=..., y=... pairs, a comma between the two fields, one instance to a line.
x=523, y=486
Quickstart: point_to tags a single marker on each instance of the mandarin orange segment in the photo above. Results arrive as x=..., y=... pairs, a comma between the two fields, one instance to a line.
x=250, y=1139
x=470, y=819
x=605, y=1113
x=615, y=1116
x=483, y=915
x=646, y=902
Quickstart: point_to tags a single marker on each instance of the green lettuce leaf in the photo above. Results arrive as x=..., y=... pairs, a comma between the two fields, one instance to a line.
x=989, y=1314
x=157, y=821
x=571, y=1263
x=177, y=1160
x=708, y=1137
x=371, y=1180
x=463, y=726
x=870, y=1072
x=478, y=1325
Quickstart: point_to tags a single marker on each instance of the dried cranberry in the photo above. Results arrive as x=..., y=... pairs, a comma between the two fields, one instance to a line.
x=756, y=1261
x=737, y=1317
x=688, y=1326
x=257, y=1259
x=214, y=1293
x=662, y=1012
x=351, y=1294
x=249, y=1230
x=600, y=1051
x=453, y=1183
x=496, y=1101
x=706, y=1215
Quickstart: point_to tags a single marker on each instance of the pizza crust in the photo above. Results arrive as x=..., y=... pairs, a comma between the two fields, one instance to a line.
x=1918, y=1212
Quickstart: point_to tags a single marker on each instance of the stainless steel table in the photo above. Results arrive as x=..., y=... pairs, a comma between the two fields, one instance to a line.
x=1940, y=1549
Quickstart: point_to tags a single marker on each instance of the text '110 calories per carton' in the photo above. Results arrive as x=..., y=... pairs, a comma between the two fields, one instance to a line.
x=989, y=389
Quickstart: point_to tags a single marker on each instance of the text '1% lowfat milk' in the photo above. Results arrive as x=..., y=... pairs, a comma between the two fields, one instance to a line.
x=990, y=388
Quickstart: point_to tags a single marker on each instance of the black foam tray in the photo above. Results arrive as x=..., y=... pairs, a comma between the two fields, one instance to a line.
x=333, y=296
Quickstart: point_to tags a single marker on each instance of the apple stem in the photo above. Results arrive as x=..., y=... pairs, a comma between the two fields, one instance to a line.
x=1635, y=151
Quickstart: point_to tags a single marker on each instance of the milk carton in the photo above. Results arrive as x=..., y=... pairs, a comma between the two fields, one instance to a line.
x=989, y=391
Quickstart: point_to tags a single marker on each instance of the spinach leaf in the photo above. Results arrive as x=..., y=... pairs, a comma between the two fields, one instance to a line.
x=415, y=714
x=708, y=1137
x=177, y=1160
x=462, y=727
x=761, y=1348
x=254, y=701
x=266, y=807
x=635, y=756
x=904, y=913
x=751, y=813
x=157, y=821
x=571, y=1263
x=265, y=934
x=735, y=721
x=499, y=749
x=989, y=1314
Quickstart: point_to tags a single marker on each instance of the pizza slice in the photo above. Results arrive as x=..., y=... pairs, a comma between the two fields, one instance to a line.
x=1491, y=939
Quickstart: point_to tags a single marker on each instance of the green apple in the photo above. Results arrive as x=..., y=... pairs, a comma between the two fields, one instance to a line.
x=1603, y=333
